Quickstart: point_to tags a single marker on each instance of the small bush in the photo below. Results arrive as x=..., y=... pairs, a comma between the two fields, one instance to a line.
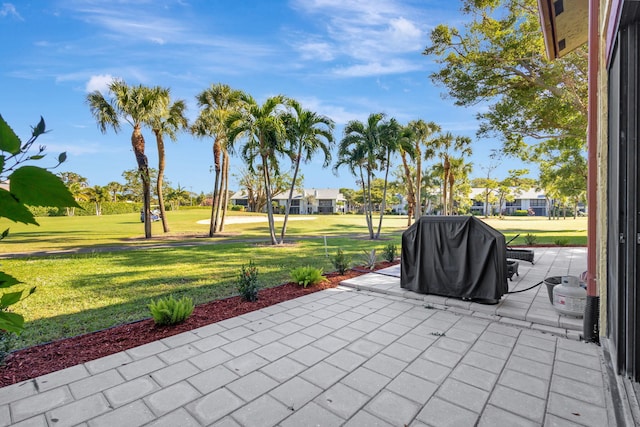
x=389, y=252
x=521, y=212
x=530, y=239
x=248, y=284
x=237, y=208
x=169, y=311
x=341, y=261
x=562, y=242
x=6, y=344
x=305, y=276
x=370, y=259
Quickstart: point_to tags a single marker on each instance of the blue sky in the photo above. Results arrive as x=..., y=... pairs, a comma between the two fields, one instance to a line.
x=341, y=58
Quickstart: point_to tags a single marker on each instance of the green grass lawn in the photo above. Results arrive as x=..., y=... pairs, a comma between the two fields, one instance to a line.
x=87, y=292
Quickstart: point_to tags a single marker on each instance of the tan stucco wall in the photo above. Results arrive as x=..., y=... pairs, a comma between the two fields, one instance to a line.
x=603, y=148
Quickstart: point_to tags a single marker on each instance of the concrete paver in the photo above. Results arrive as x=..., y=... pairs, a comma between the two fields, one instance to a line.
x=340, y=357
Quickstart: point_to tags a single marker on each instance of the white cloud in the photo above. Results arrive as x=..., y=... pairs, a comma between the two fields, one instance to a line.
x=321, y=51
x=394, y=66
x=9, y=9
x=375, y=37
x=99, y=82
x=338, y=113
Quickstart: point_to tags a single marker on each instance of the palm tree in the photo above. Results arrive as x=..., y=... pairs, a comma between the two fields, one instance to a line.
x=307, y=133
x=444, y=144
x=458, y=171
x=114, y=188
x=265, y=132
x=134, y=105
x=359, y=150
x=166, y=119
x=216, y=103
x=98, y=195
x=422, y=137
x=395, y=138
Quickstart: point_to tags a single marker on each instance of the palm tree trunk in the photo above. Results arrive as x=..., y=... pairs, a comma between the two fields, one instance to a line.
x=446, y=168
x=418, y=192
x=365, y=204
x=370, y=208
x=383, y=205
x=293, y=184
x=161, y=167
x=451, y=183
x=137, y=142
x=267, y=184
x=411, y=197
x=225, y=194
x=215, y=205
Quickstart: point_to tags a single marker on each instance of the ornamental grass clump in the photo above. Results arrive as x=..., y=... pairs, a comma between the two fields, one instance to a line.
x=248, y=284
x=170, y=311
x=341, y=261
x=370, y=259
x=305, y=276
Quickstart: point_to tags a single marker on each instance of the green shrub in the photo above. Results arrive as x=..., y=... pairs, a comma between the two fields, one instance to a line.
x=237, y=208
x=341, y=261
x=6, y=343
x=248, y=284
x=169, y=311
x=562, y=242
x=530, y=239
x=305, y=276
x=389, y=252
x=521, y=212
x=370, y=259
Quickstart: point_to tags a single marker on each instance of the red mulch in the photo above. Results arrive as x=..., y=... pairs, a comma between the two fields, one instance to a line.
x=42, y=359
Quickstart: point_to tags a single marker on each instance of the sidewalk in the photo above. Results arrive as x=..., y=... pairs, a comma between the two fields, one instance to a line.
x=336, y=357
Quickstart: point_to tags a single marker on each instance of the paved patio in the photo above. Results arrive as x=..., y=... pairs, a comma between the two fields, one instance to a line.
x=345, y=357
x=528, y=309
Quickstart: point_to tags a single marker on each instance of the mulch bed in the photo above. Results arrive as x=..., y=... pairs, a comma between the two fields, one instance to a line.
x=42, y=359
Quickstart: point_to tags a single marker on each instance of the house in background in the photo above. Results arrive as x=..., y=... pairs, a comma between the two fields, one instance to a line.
x=525, y=200
x=308, y=201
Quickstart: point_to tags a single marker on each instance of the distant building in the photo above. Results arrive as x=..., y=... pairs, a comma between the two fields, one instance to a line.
x=309, y=201
x=525, y=200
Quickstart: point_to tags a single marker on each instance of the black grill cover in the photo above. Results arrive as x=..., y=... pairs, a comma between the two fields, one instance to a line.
x=454, y=256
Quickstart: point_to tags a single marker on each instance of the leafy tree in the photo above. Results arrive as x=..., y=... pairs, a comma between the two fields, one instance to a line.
x=307, y=133
x=69, y=178
x=77, y=185
x=216, y=103
x=512, y=186
x=134, y=105
x=132, y=187
x=28, y=185
x=253, y=185
x=488, y=195
x=349, y=198
x=379, y=197
x=166, y=119
x=264, y=129
x=498, y=59
x=359, y=151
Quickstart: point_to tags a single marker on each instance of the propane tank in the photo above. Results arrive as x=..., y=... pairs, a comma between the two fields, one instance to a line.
x=569, y=298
